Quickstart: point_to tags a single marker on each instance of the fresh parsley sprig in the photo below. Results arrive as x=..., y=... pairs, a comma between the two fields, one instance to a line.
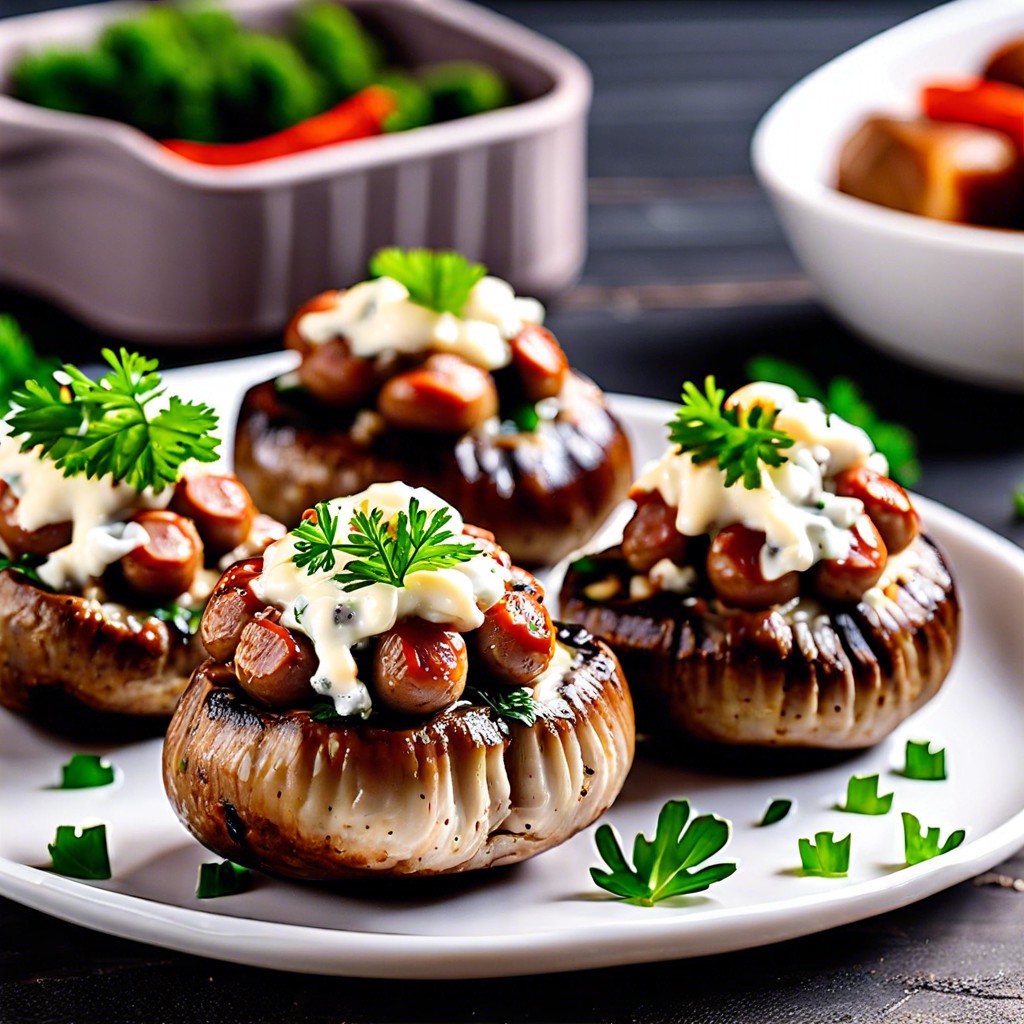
x=740, y=440
x=777, y=810
x=440, y=281
x=19, y=362
x=106, y=427
x=664, y=866
x=923, y=763
x=85, y=771
x=919, y=846
x=509, y=705
x=843, y=397
x=387, y=551
x=826, y=857
x=80, y=853
x=316, y=540
x=223, y=878
x=862, y=796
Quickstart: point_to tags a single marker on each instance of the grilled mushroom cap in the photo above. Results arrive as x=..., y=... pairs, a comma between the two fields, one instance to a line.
x=835, y=677
x=59, y=653
x=459, y=791
x=542, y=493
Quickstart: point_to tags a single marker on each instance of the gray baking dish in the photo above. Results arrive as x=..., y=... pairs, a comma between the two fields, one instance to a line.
x=98, y=218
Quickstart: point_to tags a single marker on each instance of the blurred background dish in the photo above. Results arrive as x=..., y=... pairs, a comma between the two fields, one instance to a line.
x=134, y=240
x=944, y=295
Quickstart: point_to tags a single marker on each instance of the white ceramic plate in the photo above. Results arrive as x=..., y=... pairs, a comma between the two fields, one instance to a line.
x=546, y=915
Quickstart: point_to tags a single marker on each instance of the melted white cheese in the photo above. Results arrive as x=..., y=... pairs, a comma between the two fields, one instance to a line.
x=336, y=621
x=803, y=522
x=378, y=316
x=97, y=510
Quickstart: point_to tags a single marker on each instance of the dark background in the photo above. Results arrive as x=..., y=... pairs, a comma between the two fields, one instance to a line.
x=687, y=274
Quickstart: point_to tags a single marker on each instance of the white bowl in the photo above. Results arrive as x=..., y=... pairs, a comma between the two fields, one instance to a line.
x=99, y=218
x=946, y=296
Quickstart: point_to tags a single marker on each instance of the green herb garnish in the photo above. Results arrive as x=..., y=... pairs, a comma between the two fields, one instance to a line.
x=19, y=362
x=526, y=418
x=85, y=771
x=511, y=705
x=862, y=796
x=842, y=397
x=1018, y=501
x=663, y=866
x=316, y=540
x=325, y=712
x=583, y=565
x=739, y=439
x=920, y=846
x=24, y=564
x=222, y=879
x=100, y=428
x=440, y=281
x=825, y=857
x=388, y=551
x=777, y=810
x=80, y=854
x=185, y=620
x=923, y=763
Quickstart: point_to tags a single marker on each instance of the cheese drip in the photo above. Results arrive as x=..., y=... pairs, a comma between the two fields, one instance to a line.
x=336, y=621
x=803, y=522
x=378, y=316
x=98, y=510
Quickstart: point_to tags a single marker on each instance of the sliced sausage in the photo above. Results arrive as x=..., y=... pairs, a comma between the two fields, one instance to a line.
x=333, y=375
x=231, y=607
x=273, y=664
x=264, y=531
x=846, y=579
x=521, y=579
x=651, y=534
x=420, y=667
x=28, y=542
x=486, y=542
x=293, y=337
x=734, y=569
x=540, y=361
x=516, y=641
x=166, y=564
x=445, y=394
x=885, y=501
x=219, y=506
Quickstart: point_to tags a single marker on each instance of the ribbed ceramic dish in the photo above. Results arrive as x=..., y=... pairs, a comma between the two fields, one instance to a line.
x=98, y=218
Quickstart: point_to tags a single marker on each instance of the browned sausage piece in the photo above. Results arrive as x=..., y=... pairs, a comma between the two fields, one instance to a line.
x=734, y=569
x=28, y=542
x=541, y=363
x=524, y=580
x=264, y=531
x=420, y=667
x=166, y=564
x=219, y=506
x=293, y=337
x=486, y=542
x=846, y=579
x=885, y=501
x=516, y=641
x=273, y=664
x=445, y=394
x=651, y=534
x=333, y=375
x=230, y=608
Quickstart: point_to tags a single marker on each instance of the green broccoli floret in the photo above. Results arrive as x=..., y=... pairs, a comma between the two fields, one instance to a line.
x=463, y=87
x=79, y=82
x=414, y=105
x=265, y=86
x=331, y=38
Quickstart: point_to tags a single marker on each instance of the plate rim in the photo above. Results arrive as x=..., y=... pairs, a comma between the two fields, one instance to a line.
x=699, y=931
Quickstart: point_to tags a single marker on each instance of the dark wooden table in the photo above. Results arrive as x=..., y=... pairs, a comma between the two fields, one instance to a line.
x=688, y=274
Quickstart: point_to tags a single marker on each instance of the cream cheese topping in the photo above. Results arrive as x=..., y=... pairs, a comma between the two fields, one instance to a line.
x=96, y=508
x=803, y=521
x=337, y=621
x=378, y=316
